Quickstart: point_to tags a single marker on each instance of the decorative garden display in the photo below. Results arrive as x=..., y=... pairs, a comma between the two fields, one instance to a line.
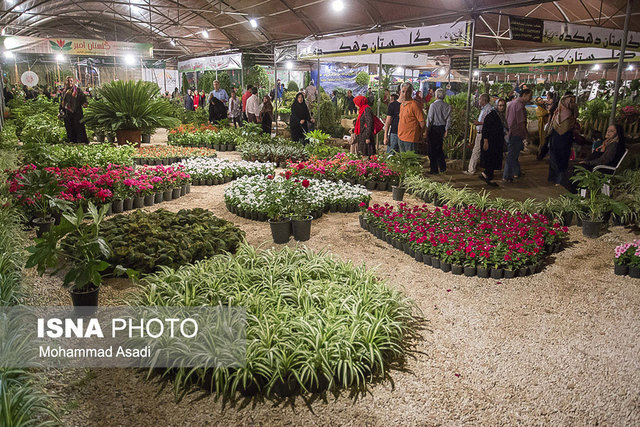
x=627, y=259
x=212, y=171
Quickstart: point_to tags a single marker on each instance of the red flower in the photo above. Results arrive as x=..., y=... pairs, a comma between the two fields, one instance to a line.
x=305, y=183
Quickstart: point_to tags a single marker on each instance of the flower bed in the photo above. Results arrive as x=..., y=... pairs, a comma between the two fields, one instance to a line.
x=253, y=197
x=277, y=151
x=100, y=185
x=627, y=259
x=224, y=139
x=313, y=321
x=205, y=171
x=78, y=155
x=166, y=155
x=470, y=240
x=144, y=241
x=348, y=167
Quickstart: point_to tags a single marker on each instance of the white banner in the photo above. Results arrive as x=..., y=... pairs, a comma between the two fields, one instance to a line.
x=555, y=58
x=567, y=34
x=441, y=36
x=167, y=80
x=220, y=62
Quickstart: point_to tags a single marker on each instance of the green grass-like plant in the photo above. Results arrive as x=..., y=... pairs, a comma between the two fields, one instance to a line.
x=313, y=321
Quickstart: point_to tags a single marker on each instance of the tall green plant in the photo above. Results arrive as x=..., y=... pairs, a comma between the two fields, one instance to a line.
x=131, y=105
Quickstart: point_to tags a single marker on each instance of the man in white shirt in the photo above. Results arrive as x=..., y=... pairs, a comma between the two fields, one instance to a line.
x=219, y=93
x=253, y=106
x=485, y=108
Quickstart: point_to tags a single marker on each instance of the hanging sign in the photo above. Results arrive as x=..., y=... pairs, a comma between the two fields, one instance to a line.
x=526, y=29
x=79, y=47
x=555, y=58
x=567, y=34
x=462, y=62
x=338, y=76
x=210, y=63
x=441, y=36
x=29, y=78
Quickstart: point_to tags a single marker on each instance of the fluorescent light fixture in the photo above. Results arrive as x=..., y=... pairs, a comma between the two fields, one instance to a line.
x=630, y=68
x=289, y=65
x=596, y=67
x=253, y=23
x=337, y=5
x=60, y=57
x=129, y=60
x=205, y=34
x=8, y=54
x=443, y=72
x=173, y=42
x=3, y=31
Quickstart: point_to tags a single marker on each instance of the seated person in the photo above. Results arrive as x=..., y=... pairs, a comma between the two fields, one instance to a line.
x=610, y=151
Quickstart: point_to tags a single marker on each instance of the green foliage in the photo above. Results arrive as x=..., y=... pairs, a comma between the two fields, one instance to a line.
x=130, y=105
x=314, y=322
x=206, y=79
x=185, y=84
x=292, y=87
x=596, y=109
x=363, y=79
x=22, y=403
x=323, y=151
x=68, y=155
x=42, y=129
x=145, y=241
x=316, y=136
x=276, y=150
x=328, y=118
x=256, y=76
x=405, y=164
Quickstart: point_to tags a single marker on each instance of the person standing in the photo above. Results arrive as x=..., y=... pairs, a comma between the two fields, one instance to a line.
x=351, y=106
x=334, y=97
x=246, y=96
x=311, y=93
x=517, y=124
x=235, y=110
x=552, y=105
x=428, y=97
x=493, y=132
x=391, y=125
x=196, y=101
x=485, y=108
x=266, y=115
x=253, y=106
x=217, y=110
x=419, y=99
x=71, y=104
x=300, y=118
x=411, y=122
x=175, y=93
x=563, y=122
x=219, y=93
x=438, y=123
x=363, y=128
x=188, y=101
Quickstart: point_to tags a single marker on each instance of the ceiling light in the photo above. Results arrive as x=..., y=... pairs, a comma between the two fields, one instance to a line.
x=205, y=34
x=630, y=68
x=476, y=73
x=253, y=23
x=173, y=42
x=399, y=70
x=337, y=5
x=596, y=67
x=129, y=60
x=10, y=2
x=8, y=54
x=3, y=31
x=443, y=72
x=289, y=65
x=59, y=57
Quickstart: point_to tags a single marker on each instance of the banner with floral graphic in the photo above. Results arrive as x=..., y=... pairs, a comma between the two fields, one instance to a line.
x=80, y=47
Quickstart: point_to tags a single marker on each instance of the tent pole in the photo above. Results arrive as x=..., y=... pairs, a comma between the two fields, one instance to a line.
x=318, y=95
x=623, y=49
x=468, y=111
x=379, y=96
x=275, y=92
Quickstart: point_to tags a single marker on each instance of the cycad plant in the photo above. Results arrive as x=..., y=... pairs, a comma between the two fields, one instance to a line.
x=131, y=105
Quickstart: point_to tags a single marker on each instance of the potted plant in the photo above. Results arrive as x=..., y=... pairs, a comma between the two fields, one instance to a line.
x=146, y=134
x=278, y=211
x=404, y=164
x=591, y=183
x=126, y=108
x=300, y=218
x=85, y=254
x=41, y=185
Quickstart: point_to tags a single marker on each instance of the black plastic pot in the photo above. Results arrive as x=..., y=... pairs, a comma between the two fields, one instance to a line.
x=469, y=271
x=620, y=270
x=567, y=219
x=149, y=199
x=99, y=137
x=426, y=259
x=398, y=193
x=509, y=274
x=381, y=186
x=183, y=190
x=138, y=202
x=117, y=206
x=445, y=266
x=85, y=302
x=280, y=231
x=591, y=229
x=496, y=273
x=175, y=193
x=111, y=139
x=370, y=185
x=435, y=262
x=302, y=229
x=43, y=225
x=158, y=197
x=457, y=269
x=127, y=204
x=418, y=256
x=483, y=272
x=146, y=139
x=634, y=272
x=523, y=271
x=166, y=195
x=188, y=188
x=361, y=220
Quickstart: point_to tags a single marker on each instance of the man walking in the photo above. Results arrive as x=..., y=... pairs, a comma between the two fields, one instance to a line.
x=411, y=123
x=188, y=101
x=485, y=108
x=517, y=123
x=391, y=125
x=438, y=123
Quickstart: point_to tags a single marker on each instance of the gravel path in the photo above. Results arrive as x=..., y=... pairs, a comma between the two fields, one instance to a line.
x=559, y=347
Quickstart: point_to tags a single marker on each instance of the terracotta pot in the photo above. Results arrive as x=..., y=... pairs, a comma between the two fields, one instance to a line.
x=131, y=136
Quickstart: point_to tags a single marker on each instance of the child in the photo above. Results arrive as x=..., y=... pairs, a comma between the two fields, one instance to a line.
x=596, y=137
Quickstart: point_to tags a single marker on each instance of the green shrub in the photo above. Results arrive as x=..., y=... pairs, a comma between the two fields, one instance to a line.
x=292, y=86
x=363, y=79
x=43, y=129
x=313, y=321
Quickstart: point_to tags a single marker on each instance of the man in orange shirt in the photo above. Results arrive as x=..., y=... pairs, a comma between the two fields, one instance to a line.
x=411, y=123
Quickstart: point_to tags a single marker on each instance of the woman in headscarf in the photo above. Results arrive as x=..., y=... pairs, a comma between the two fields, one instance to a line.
x=542, y=113
x=364, y=127
x=71, y=103
x=611, y=150
x=217, y=110
x=266, y=114
x=563, y=122
x=300, y=118
x=493, y=132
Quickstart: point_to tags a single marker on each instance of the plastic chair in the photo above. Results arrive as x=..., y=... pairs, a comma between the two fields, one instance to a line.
x=606, y=188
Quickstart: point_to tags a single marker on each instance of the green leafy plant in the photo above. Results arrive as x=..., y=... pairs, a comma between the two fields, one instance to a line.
x=131, y=105
x=363, y=79
x=316, y=136
x=592, y=182
x=405, y=164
